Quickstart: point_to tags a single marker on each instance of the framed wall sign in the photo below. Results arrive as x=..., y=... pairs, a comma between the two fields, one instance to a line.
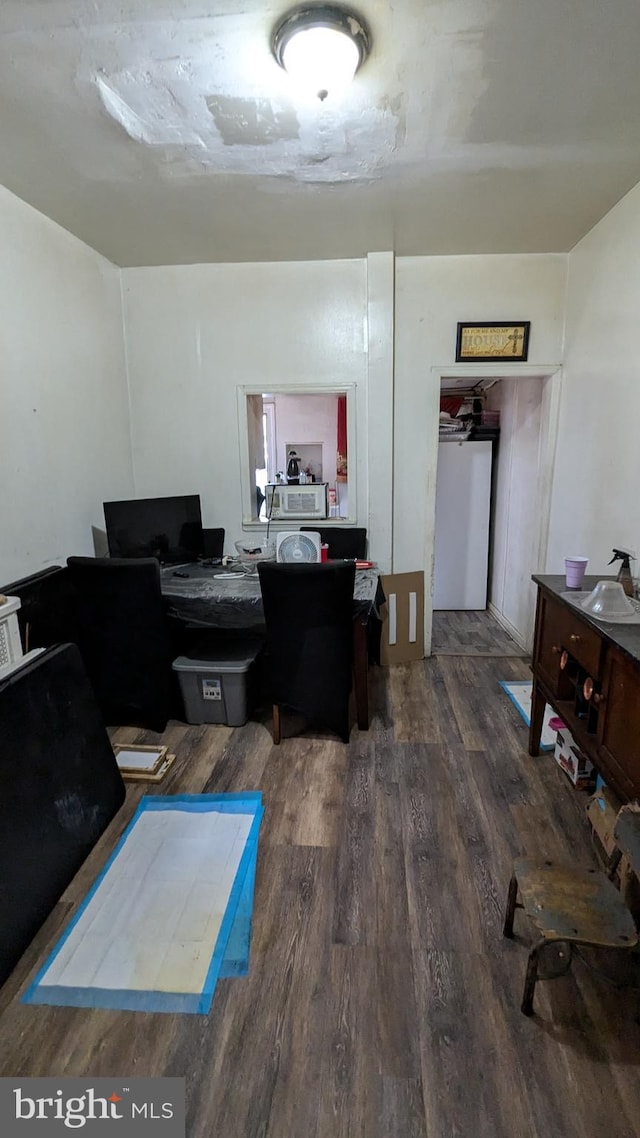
x=498, y=341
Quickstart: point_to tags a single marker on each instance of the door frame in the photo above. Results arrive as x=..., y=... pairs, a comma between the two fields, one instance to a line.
x=551, y=374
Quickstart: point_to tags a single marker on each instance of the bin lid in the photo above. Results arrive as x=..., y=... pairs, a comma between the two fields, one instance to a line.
x=229, y=658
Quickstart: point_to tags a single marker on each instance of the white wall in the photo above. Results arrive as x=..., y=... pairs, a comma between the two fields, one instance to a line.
x=432, y=295
x=65, y=437
x=516, y=519
x=596, y=499
x=196, y=333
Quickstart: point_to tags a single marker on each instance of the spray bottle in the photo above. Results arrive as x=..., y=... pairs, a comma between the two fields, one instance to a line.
x=625, y=556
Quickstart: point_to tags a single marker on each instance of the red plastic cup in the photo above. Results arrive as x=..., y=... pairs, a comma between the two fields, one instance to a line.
x=324, y=551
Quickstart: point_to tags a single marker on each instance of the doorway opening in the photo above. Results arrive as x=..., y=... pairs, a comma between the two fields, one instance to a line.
x=495, y=447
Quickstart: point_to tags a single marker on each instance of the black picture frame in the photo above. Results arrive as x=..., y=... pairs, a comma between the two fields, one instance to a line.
x=467, y=354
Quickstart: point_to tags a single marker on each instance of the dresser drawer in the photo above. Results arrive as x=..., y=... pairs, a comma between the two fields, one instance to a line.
x=582, y=642
x=560, y=630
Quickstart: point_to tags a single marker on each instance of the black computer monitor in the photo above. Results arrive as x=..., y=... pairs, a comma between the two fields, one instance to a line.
x=167, y=528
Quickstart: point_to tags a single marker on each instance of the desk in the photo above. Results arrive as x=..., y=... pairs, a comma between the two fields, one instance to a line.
x=589, y=672
x=210, y=598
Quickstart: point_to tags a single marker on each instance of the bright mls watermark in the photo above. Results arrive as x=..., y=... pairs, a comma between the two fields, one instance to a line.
x=134, y=1107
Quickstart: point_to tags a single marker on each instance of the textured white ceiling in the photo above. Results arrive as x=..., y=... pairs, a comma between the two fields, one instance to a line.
x=164, y=132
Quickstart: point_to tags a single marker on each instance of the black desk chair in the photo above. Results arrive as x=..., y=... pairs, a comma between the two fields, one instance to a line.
x=346, y=542
x=60, y=789
x=213, y=544
x=123, y=638
x=47, y=612
x=308, y=612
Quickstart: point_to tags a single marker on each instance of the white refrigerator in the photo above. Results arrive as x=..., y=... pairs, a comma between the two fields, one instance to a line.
x=463, y=503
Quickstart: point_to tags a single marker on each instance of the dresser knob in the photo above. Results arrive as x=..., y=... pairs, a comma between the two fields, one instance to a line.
x=574, y=638
x=564, y=660
x=587, y=688
x=599, y=698
x=556, y=648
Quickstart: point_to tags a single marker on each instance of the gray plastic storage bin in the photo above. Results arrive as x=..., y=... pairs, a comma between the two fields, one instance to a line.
x=218, y=688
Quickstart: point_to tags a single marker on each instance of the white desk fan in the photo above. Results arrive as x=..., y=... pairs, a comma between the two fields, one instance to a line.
x=298, y=548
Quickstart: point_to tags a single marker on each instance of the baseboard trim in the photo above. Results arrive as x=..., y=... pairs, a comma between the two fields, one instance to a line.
x=508, y=627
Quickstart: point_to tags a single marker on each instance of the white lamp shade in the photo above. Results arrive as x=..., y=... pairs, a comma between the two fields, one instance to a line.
x=321, y=60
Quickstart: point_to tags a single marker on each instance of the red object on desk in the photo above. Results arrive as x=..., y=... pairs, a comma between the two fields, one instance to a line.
x=365, y=564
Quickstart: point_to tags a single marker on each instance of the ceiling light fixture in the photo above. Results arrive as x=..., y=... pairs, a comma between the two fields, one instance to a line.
x=321, y=47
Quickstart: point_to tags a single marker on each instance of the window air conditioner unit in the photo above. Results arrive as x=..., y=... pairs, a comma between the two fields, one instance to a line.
x=292, y=501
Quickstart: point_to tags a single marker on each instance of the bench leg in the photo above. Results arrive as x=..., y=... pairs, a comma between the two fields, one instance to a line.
x=530, y=980
x=276, y=723
x=512, y=897
x=538, y=704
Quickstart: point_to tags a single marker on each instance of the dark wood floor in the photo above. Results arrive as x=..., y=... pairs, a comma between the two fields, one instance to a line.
x=470, y=633
x=382, y=999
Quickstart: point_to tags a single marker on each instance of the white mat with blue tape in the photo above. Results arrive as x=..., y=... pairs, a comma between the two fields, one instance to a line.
x=169, y=914
x=520, y=693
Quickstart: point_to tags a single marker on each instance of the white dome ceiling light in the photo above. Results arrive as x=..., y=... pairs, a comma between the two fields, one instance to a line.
x=321, y=47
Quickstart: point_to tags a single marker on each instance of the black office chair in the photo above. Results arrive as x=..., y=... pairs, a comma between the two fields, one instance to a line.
x=123, y=638
x=213, y=544
x=60, y=789
x=346, y=542
x=308, y=612
x=47, y=612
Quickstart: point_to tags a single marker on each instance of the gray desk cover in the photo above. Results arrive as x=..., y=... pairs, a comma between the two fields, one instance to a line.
x=206, y=597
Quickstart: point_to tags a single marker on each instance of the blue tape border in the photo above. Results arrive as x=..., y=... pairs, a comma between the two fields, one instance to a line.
x=238, y=949
x=150, y=1001
x=519, y=709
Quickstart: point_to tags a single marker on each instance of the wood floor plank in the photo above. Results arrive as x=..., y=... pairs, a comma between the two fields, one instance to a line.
x=304, y=784
x=242, y=762
x=354, y=919
x=402, y=1108
x=350, y=1094
x=466, y=702
x=388, y=864
x=297, y=1098
x=396, y=1015
x=436, y=851
x=415, y=708
x=455, y=1043
x=197, y=757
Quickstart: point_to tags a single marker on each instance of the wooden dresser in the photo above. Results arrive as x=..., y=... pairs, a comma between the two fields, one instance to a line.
x=589, y=672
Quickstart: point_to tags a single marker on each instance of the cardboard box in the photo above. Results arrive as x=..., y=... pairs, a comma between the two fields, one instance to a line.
x=602, y=811
x=403, y=618
x=569, y=756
